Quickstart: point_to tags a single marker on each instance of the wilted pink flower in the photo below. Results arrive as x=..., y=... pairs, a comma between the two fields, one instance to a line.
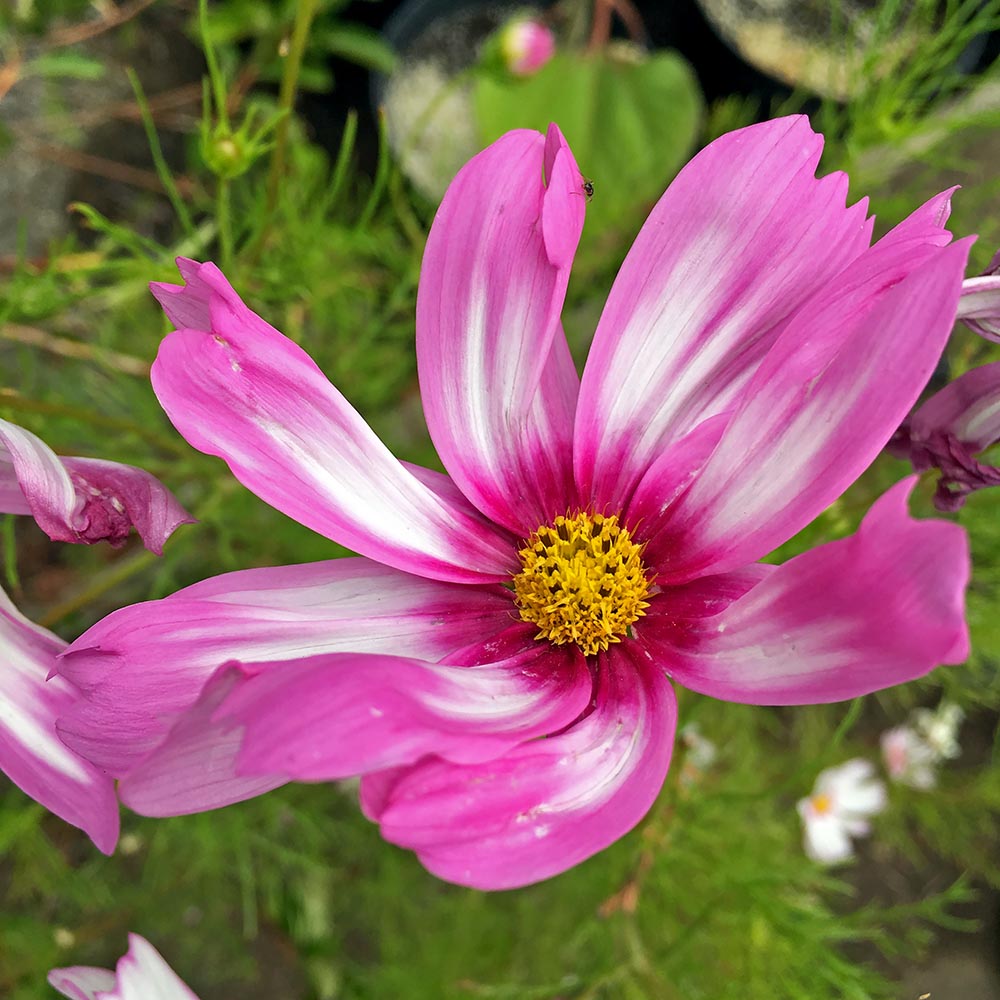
x=949, y=430
x=83, y=499
x=31, y=754
x=141, y=974
x=842, y=800
x=908, y=758
x=979, y=305
x=594, y=538
x=526, y=45
x=913, y=752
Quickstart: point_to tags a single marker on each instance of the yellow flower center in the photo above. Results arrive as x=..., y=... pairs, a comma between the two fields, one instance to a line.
x=821, y=804
x=583, y=581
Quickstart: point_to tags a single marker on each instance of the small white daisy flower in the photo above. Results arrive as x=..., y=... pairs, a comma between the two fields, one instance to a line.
x=838, y=809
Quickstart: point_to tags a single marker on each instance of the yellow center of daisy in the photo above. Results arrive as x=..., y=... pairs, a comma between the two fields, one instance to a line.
x=821, y=804
x=583, y=581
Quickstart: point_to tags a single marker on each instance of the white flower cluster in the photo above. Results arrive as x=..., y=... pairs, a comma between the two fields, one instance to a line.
x=844, y=797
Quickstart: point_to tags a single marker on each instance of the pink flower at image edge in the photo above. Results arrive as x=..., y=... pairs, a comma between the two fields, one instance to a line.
x=83, y=500
x=31, y=753
x=947, y=432
x=594, y=540
x=77, y=500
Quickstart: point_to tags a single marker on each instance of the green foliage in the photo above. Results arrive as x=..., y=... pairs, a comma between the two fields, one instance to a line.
x=913, y=93
x=267, y=25
x=912, y=64
x=36, y=16
x=293, y=895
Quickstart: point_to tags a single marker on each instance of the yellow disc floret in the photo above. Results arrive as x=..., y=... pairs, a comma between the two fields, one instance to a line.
x=583, y=581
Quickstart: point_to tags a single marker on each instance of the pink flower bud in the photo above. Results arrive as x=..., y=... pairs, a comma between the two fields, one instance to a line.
x=526, y=45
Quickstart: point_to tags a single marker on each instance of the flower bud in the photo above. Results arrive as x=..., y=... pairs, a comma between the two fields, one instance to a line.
x=226, y=154
x=526, y=45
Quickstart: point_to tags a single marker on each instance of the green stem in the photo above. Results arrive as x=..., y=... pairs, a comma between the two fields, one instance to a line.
x=224, y=219
x=9, y=397
x=218, y=81
x=159, y=160
x=98, y=584
x=10, y=553
x=382, y=171
x=578, y=15
x=339, y=175
x=304, y=14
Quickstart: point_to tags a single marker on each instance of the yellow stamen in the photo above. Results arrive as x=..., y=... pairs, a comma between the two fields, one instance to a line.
x=583, y=581
x=822, y=804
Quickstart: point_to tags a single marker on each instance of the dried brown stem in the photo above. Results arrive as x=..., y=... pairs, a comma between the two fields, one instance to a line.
x=626, y=12
x=629, y=15
x=91, y=29
x=101, y=166
x=63, y=346
x=10, y=73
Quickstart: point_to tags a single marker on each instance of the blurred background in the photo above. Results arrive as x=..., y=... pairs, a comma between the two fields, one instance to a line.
x=303, y=145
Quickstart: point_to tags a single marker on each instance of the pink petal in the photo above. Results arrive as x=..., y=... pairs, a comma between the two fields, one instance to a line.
x=546, y=805
x=83, y=499
x=857, y=615
x=31, y=754
x=743, y=236
x=81, y=982
x=344, y=714
x=142, y=974
x=820, y=408
x=142, y=665
x=187, y=305
x=195, y=767
x=947, y=432
x=497, y=381
x=671, y=473
x=240, y=390
x=704, y=597
x=979, y=306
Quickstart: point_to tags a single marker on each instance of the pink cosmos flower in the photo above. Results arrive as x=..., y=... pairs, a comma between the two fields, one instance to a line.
x=31, y=754
x=83, y=499
x=142, y=974
x=498, y=663
x=949, y=430
x=526, y=45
